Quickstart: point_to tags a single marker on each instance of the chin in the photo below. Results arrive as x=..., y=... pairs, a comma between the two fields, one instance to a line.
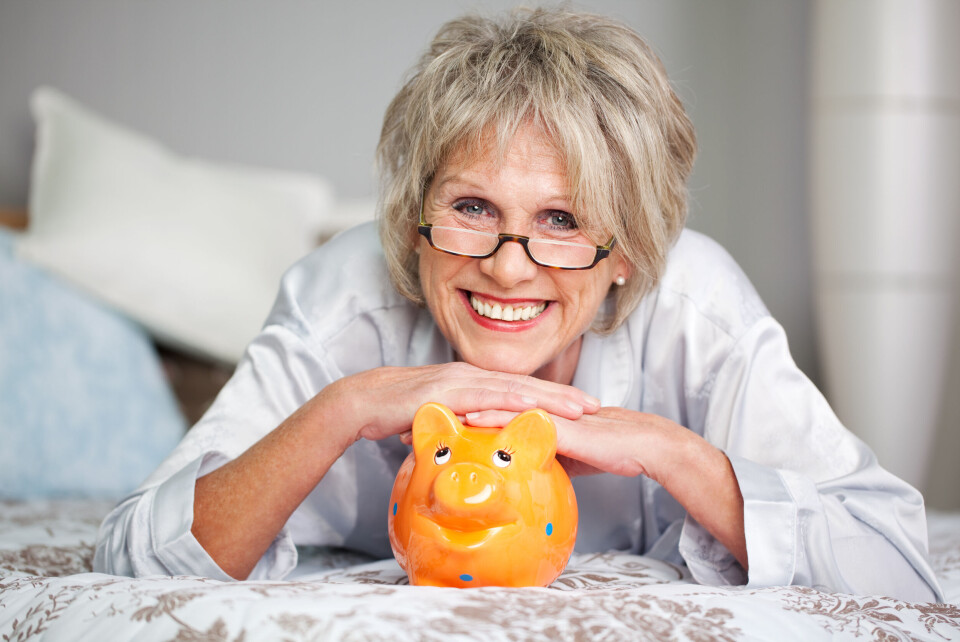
x=503, y=361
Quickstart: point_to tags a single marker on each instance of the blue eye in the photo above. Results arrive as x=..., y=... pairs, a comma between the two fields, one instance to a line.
x=470, y=208
x=561, y=220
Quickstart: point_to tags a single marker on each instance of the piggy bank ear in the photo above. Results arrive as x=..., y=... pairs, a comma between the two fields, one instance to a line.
x=432, y=423
x=533, y=434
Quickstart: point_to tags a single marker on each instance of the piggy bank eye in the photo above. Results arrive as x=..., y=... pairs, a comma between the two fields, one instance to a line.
x=501, y=458
x=442, y=456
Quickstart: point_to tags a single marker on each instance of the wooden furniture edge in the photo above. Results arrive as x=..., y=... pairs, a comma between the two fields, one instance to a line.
x=13, y=218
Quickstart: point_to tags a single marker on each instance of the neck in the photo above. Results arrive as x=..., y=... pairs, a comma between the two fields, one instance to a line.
x=562, y=369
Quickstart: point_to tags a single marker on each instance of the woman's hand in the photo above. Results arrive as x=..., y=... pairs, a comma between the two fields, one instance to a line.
x=630, y=443
x=383, y=401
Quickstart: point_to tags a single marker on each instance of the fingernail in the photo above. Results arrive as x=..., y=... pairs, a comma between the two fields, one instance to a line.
x=530, y=401
x=577, y=408
x=470, y=416
x=593, y=401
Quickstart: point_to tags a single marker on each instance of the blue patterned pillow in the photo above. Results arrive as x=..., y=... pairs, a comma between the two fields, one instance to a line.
x=84, y=407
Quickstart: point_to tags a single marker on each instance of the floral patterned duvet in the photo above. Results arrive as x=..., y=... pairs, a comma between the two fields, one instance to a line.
x=47, y=592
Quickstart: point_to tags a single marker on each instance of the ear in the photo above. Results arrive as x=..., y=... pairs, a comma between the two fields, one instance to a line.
x=622, y=266
x=431, y=424
x=533, y=434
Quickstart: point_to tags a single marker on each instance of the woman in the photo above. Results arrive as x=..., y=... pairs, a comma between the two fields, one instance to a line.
x=548, y=140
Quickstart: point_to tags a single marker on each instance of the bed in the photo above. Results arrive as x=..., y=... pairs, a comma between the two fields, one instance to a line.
x=48, y=592
x=102, y=275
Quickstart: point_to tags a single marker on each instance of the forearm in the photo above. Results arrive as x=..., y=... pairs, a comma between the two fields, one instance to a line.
x=695, y=473
x=700, y=477
x=149, y=532
x=239, y=508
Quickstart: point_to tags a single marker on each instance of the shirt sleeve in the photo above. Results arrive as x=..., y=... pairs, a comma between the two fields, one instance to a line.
x=149, y=534
x=819, y=510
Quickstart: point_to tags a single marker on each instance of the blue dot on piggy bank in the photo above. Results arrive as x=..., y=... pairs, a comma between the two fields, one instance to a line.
x=394, y=509
x=550, y=528
x=466, y=577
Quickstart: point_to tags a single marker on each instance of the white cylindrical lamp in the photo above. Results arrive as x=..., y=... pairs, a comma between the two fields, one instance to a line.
x=885, y=200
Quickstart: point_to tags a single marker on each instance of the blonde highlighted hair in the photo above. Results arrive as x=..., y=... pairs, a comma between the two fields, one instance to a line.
x=597, y=91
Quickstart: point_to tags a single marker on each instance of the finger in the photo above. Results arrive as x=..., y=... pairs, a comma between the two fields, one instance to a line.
x=563, y=400
x=566, y=400
x=407, y=437
x=575, y=441
x=490, y=418
x=469, y=400
x=556, y=402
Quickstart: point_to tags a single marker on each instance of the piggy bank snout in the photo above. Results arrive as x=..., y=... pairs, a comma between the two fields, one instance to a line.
x=468, y=489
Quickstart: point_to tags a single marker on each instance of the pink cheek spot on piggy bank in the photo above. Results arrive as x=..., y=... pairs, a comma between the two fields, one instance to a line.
x=482, y=506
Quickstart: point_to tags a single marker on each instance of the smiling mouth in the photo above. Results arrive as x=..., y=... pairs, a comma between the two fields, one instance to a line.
x=506, y=312
x=466, y=537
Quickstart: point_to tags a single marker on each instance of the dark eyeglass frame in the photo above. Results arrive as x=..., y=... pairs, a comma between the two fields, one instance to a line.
x=425, y=229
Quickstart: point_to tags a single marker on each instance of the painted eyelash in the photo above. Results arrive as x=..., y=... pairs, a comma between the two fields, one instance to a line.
x=442, y=454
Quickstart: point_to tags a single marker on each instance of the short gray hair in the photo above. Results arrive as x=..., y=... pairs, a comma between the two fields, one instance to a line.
x=598, y=92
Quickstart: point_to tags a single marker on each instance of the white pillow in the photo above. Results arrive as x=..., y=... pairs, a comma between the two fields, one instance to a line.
x=191, y=249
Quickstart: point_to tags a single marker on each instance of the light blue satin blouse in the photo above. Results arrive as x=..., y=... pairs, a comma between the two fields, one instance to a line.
x=701, y=350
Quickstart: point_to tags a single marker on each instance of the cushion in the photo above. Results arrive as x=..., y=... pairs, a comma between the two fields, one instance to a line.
x=191, y=249
x=84, y=407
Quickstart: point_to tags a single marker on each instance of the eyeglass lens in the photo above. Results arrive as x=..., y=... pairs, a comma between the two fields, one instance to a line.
x=551, y=253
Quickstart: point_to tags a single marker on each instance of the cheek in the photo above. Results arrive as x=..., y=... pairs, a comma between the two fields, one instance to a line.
x=437, y=271
x=586, y=292
x=602, y=279
x=424, y=272
x=430, y=274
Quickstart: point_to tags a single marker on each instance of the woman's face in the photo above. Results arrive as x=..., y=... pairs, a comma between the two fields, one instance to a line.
x=528, y=194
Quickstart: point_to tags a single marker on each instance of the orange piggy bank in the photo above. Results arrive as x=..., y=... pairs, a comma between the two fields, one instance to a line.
x=482, y=506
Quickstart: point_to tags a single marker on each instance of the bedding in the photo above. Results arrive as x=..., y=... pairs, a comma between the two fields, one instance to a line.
x=190, y=248
x=85, y=408
x=47, y=592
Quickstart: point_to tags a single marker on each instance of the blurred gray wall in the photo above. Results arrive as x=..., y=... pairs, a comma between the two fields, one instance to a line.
x=302, y=84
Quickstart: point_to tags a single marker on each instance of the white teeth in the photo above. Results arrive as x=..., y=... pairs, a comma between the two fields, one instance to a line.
x=508, y=312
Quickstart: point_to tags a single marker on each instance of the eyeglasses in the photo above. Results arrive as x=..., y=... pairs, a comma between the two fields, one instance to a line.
x=561, y=255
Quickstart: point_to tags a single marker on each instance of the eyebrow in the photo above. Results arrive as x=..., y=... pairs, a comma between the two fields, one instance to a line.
x=460, y=182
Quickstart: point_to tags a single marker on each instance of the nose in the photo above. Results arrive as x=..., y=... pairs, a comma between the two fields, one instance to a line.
x=466, y=490
x=509, y=266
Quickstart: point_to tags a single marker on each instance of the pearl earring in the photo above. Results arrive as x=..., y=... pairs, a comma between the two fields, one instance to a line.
x=620, y=280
